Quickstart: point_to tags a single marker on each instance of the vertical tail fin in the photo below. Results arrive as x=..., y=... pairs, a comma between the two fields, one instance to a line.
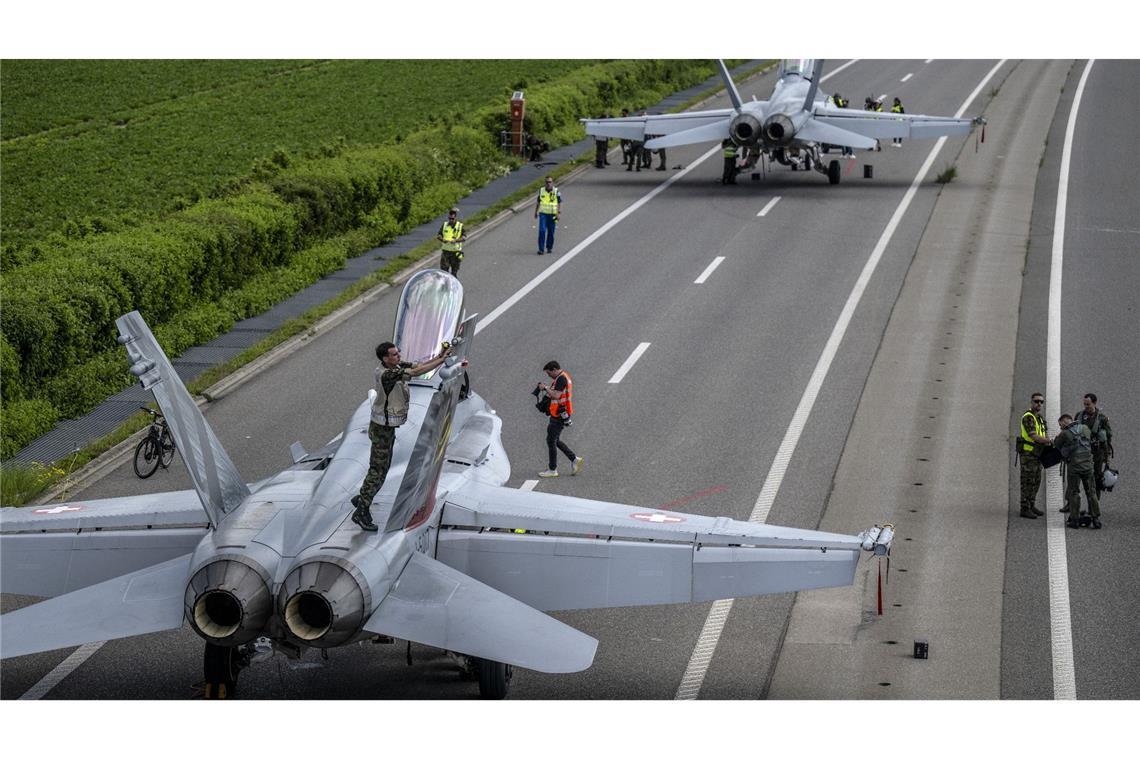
x=415, y=499
x=220, y=487
x=729, y=85
x=809, y=101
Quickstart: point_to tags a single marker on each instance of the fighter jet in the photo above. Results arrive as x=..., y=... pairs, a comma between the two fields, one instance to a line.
x=461, y=563
x=794, y=127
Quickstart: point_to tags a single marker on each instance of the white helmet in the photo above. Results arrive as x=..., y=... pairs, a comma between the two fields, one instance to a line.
x=1110, y=476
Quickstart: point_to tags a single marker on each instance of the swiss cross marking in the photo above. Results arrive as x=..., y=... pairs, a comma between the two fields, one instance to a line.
x=657, y=517
x=56, y=510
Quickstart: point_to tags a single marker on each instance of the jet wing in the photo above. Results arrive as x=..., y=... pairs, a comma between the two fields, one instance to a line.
x=637, y=127
x=580, y=553
x=58, y=548
x=883, y=125
x=436, y=605
x=145, y=601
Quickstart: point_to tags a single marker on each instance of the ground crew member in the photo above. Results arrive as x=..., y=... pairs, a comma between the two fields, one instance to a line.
x=897, y=107
x=841, y=102
x=389, y=411
x=729, y=152
x=546, y=212
x=1034, y=438
x=870, y=104
x=1076, y=451
x=452, y=235
x=561, y=397
x=601, y=147
x=1101, y=434
x=626, y=146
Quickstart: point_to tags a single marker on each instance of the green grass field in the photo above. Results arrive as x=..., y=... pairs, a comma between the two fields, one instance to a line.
x=96, y=145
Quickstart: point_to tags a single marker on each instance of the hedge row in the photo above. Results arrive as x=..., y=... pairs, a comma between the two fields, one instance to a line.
x=192, y=274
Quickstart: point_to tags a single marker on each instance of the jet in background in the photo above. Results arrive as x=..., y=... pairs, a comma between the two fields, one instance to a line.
x=461, y=563
x=794, y=127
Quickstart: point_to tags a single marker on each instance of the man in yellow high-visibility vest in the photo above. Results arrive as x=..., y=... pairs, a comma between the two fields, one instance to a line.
x=546, y=210
x=452, y=235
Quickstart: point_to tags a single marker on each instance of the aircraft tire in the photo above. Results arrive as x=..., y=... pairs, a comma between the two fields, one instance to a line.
x=494, y=678
x=221, y=666
x=833, y=172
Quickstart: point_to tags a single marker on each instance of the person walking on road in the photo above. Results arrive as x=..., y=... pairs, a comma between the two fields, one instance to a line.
x=452, y=236
x=560, y=395
x=546, y=209
x=1034, y=439
x=1101, y=433
x=1076, y=451
x=389, y=411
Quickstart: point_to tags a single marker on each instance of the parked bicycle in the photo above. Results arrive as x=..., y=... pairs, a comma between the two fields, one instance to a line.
x=156, y=449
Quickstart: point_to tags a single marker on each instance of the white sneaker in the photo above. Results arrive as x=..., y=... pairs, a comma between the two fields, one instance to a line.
x=548, y=474
x=577, y=466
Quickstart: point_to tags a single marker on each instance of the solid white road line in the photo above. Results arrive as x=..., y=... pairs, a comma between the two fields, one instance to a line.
x=764, y=211
x=708, y=270
x=908, y=76
x=702, y=654
x=623, y=369
x=528, y=485
x=62, y=670
x=928, y=60
x=1060, y=620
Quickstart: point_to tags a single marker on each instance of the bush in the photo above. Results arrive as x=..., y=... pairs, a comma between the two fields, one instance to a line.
x=24, y=421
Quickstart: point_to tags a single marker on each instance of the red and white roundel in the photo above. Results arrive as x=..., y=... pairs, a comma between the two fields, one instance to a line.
x=58, y=510
x=657, y=517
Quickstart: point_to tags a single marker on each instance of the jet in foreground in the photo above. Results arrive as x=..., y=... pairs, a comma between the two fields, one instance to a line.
x=794, y=127
x=460, y=563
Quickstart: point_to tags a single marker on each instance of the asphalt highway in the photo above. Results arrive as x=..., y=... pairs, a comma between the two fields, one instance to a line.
x=696, y=422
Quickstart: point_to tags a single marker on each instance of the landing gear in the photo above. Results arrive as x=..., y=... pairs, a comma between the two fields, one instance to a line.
x=494, y=678
x=221, y=666
x=833, y=172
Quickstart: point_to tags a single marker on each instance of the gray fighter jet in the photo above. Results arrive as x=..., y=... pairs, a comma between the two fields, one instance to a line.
x=793, y=127
x=461, y=563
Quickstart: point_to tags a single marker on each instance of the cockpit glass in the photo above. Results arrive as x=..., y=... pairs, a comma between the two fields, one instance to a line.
x=801, y=66
x=429, y=313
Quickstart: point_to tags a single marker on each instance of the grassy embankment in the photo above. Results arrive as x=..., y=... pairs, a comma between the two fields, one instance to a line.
x=249, y=239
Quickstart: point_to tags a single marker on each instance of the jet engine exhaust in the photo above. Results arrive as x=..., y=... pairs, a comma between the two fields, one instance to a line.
x=745, y=129
x=322, y=604
x=779, y=129
x=228, y=602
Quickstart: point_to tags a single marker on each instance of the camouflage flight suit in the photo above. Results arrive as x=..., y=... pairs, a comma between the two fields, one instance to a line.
x=1101, y=443
x=1030, y=452
x=383, y=436
x=1079, y=470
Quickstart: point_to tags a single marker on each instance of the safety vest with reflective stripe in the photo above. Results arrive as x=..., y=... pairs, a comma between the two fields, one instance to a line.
x=1038, y=425
x=566, y=402
x=897, y=108
x=548, y=201
x=730, y=151
x=451, y=236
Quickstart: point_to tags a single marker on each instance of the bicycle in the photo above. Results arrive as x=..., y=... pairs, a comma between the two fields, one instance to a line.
x=156, y=449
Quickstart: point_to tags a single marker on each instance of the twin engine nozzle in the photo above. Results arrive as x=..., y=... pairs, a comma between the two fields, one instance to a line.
x=321, y=603
x=777, y=129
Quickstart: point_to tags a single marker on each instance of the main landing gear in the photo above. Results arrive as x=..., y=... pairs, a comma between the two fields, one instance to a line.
x=494, y=678
x=221, y=666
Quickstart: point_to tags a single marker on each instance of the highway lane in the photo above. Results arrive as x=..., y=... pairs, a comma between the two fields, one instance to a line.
x=742, y=345
x=1098, y=353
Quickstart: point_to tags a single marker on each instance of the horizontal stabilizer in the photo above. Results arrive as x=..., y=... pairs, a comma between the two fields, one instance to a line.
x=436, y=605
x=816, y=131
x=708, y=133
x=145, y=601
